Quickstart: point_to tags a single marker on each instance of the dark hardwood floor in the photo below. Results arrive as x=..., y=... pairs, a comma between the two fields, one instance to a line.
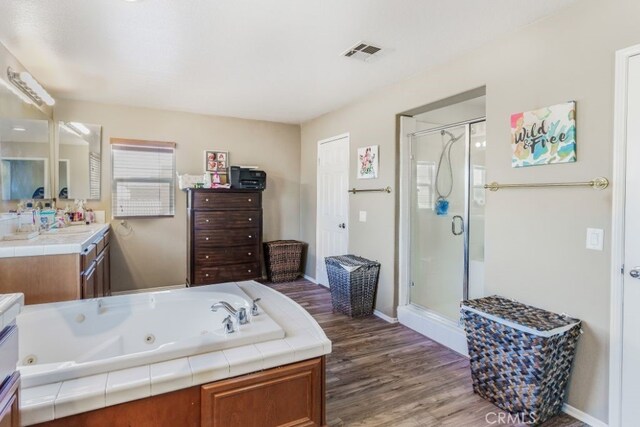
x=382, y=374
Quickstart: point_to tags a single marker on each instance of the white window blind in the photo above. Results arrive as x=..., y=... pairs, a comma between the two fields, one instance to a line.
x=143, y=179
x=94, y=176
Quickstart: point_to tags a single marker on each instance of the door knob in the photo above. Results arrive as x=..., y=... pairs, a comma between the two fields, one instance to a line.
x=635, y=273
x=342, y=225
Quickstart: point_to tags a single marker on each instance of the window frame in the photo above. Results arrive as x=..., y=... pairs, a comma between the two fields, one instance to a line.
x=143, y=145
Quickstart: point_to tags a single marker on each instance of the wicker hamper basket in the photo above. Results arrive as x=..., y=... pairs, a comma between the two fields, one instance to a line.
x=520, y=355
x=283, y=259
x=353, y=282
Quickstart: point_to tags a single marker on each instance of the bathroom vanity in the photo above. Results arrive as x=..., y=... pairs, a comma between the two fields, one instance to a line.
x=59, y=265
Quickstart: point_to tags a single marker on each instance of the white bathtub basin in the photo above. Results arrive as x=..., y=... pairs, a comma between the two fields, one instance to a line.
x=106, y=334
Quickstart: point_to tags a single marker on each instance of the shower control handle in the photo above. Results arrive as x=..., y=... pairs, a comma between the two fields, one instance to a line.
x=453, y=225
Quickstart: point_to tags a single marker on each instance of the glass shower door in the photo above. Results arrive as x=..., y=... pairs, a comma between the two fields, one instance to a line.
x=439, y=183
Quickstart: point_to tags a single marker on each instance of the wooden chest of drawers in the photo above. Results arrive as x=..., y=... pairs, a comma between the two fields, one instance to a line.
x=224, y=236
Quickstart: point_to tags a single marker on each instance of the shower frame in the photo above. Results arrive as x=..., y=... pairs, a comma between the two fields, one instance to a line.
x=404, y=251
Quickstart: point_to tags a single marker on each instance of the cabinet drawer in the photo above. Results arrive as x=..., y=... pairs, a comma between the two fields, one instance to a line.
x=88, y=256
x=227, y=273
x=223, y=256
x=226, y=219
x=226, y=200
x=233, y=237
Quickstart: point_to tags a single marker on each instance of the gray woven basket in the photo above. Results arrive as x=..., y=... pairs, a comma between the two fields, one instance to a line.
x=520, y=356
x=352, y=293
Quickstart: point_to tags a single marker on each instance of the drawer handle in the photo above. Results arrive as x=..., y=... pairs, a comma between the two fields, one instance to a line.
x=206, y=256
x=206, y=220
x=250, y=236
x=206, y=200
x=249, y=254
x=206, y=275
x=250, y=219
x=206, y=238
x=248, y=271
x=249, y=200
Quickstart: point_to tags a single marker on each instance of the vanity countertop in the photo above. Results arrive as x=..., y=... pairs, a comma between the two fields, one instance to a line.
x=69, y=240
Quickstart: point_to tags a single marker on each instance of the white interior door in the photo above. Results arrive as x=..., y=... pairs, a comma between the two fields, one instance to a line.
x=333, y=202
x=631, y=292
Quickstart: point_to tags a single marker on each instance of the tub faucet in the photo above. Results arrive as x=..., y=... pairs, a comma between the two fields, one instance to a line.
x=223, y=304
x=240, y=315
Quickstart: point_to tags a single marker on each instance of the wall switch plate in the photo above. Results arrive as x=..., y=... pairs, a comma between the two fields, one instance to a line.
x=595, y=239
x=363, y=216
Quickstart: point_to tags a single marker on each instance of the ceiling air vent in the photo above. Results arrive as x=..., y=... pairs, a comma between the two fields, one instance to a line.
x=363, y=51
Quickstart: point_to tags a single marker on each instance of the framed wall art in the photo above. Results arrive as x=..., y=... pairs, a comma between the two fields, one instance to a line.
x=544, y=136
x=368, y=162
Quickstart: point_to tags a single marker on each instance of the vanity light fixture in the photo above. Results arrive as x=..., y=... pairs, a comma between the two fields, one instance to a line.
x=69, y=129
x=24, y=98
x=80, y=127
x=30, y=87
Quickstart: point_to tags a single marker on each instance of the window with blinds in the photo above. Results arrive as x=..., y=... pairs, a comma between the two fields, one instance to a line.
x=143, y=178
x=94, y=176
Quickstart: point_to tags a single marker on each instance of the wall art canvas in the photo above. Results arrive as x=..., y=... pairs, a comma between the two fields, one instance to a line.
x=368, y=162
x=544, y=136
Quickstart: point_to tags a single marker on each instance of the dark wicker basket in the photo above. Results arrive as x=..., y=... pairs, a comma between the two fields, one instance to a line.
x=352, y=293
x=283, y=259
x=520, y=356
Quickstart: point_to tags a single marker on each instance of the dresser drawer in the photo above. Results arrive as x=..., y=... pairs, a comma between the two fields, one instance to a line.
x=227, y=273
x=226, y=219
x=212, y=257
x=233, y=237
x=226, y=200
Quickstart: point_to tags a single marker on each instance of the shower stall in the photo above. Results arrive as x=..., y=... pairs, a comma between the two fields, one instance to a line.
x=443, y=199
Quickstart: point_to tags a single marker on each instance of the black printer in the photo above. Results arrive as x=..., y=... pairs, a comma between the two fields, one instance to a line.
x=251, y=179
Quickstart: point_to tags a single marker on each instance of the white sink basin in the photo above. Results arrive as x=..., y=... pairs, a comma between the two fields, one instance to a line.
x=70, y=230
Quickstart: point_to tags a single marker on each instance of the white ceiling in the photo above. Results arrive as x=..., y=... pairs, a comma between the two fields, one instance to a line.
x=275, y=60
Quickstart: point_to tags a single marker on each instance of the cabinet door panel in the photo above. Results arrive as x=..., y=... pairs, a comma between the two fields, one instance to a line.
x=287, y=396
x=107, y=271
x=99, y=281
x=9, y=407
x=89, y=283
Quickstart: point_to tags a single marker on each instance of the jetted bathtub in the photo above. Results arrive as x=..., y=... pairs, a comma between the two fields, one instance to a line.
x=67, y=340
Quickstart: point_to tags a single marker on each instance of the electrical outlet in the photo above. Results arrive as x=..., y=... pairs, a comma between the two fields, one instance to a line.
x=363, y=216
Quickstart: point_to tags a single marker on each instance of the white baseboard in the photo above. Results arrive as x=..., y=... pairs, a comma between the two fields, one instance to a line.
x=385, y=317
x=309, y=278
x=157, y=289
x=582, y=416
x=434, y=327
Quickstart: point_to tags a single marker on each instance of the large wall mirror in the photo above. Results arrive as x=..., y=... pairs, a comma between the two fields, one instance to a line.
x=79, y=161
x=24, y=159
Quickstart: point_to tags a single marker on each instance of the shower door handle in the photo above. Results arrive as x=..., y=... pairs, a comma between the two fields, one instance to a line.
x=453, y=225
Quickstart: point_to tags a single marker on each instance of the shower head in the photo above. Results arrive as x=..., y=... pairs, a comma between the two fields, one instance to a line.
x=452, y=136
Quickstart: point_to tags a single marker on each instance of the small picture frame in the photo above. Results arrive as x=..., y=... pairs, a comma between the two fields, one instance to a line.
x=216, y=161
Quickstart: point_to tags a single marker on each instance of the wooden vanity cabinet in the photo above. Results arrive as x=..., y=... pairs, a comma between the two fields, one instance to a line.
x=9, y=402
x=65, y=277
x=224, y=235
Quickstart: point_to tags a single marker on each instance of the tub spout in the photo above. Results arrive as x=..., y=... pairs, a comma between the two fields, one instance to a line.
x=223, y=304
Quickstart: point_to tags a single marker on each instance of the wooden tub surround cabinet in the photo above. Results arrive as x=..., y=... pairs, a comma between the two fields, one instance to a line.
x=10, y=305
x=224, y=235
x=291, y=395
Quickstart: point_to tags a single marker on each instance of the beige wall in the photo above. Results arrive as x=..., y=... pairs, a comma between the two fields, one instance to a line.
x=155, y=253
x=535, y=239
